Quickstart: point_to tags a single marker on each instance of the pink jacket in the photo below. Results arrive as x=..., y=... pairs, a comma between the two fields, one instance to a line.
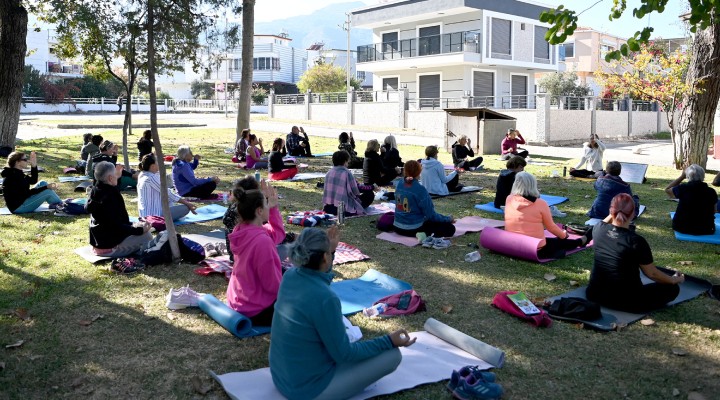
x=510, y=145
x=257, y=271
x=530, y=219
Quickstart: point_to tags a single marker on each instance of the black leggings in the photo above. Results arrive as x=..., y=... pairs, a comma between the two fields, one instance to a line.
x=582, y=173
x=439, y=229
x=643, y=299
x=264, y=318
x=522, y=153
x=474, y=163
x=454, y=184
x=556, y=247
x=202, y=191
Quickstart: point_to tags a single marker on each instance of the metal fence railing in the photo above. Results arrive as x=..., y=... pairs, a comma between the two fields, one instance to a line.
x=335, y=97
x=290, y=99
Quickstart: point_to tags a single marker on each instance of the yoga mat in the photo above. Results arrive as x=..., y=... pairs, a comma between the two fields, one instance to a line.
x=73, y=178
x=360, y=293
x=595, y=221
x=633, y=172
x=466, y=189
x=87, y=253
x=690, y=289
x=711, y=239
x=483, y=351
x=345, y=253
x=235, y=323
x=205, y=213
x=399, y=239
x=551, y=200
x=83, y=186
x=303, y=176
x=517, y=245
x=327, y=154
x=376, y=209
x=429, y=360
x=44, y=207
x=205, y=238
x=475, y=224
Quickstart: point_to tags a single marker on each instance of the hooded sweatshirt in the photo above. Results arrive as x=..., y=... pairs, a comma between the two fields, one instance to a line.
x=433, y=177
x=592, y=156
x=16, y=186
x=257, y=271
x=184, y=176
x=530, y=218
x=607, y=187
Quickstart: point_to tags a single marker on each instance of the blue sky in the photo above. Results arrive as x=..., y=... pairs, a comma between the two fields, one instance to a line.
x=666, y=24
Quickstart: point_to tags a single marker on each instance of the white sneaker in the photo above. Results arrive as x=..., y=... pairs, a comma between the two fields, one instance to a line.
x=557, y=213
x=428, y=241
x=440, y=243
x=184, y=297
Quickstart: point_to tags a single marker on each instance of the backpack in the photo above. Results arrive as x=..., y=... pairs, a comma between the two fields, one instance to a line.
x=386, y=221
x=403, y=303
x=503, y=303
x=578, y=229
x=162, y=254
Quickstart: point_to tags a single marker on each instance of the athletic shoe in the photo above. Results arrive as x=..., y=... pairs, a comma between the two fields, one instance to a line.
x=220, y=248
x=440, y=243
x=473, y=388
x=557, y=213
x=210, y=250
x=458, y=376
x=428, y=241
x=126, y=265
x=184, y=297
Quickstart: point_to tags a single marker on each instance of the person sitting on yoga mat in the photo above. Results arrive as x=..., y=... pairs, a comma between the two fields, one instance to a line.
x=88, y=151
x=241, y=146
x=608, y=186
x=148, y=189
x=433, y=175
x=111, y=233
x=280, y=169
x=255, y=157
x=505, y=180
x=257, y=270
x=311, y=356
x=508, y=146
x=19, y=197
x=619, y=252
x=183, y=172
x=298, y=146
x=461, y=151
x=375, y=172
x=414, y=209
x=347, y=143
x=697, y=202
x=527, y=214
x=145, y=145
x=82, y=162
x=341, y=186
x=109, y=152
x=390, y=154
x=593, y=157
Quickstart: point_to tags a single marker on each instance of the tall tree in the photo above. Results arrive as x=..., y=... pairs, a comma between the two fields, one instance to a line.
x=695, y=123
x=246, y=74
x=13, y=34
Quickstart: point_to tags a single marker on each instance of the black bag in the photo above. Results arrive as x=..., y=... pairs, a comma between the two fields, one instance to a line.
x=5, y=151
x=578, y=229
x=575, y=308
x=163, y=255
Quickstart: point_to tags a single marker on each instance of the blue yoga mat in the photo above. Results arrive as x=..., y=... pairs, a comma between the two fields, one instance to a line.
x=205, y=213
x=357, y=294
x=712, y=239
x=235, y=323
x=551, y=200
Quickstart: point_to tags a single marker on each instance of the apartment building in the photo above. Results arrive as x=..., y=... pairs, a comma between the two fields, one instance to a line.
x=42, y=57
x=584, y=53
x=442, y=51
x=338, y=57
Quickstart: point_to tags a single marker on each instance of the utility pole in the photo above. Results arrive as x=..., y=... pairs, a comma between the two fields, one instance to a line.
x=346, y=27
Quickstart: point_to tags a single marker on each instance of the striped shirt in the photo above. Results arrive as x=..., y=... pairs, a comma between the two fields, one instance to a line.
x=340, y=185
x=148, y=189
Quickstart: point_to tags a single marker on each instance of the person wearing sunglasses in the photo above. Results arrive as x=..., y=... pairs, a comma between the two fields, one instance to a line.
x=20, y=198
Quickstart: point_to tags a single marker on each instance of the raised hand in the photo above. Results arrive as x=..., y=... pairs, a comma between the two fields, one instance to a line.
x=334, y=237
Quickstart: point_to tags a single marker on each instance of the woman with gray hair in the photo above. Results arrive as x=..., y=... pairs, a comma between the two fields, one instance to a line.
x=527, y=214
x=183, y=171
x=390, y=154
x=111, y=233
x=697, y=202
x=311, y=356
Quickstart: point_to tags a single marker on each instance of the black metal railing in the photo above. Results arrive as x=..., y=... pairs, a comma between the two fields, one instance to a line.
x=456, y=42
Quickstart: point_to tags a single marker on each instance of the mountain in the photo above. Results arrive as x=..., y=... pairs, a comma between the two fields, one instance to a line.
x=320, y=26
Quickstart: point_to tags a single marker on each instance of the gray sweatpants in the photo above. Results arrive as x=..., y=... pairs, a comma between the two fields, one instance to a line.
x=131, y=245
x=351, y=379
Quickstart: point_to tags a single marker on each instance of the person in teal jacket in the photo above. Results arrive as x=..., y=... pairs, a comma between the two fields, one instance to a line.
x=311, y=356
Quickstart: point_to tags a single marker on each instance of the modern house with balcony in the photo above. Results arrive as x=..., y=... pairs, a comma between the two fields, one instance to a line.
x=42, y=57
x=442, y=51
x=317, y=53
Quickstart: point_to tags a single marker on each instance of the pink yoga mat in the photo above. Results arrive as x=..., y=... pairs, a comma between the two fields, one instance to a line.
x=475, y=224
x=517, y=245
x=395, y=238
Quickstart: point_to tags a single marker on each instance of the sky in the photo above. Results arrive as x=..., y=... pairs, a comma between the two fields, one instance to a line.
x=667, y=24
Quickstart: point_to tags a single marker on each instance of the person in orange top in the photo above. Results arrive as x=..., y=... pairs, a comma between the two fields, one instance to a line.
x=527, y=214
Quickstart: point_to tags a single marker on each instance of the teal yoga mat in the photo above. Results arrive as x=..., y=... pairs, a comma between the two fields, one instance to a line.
x=235, y=323
x=551, y=200
x=712, y=239
x=357, y=294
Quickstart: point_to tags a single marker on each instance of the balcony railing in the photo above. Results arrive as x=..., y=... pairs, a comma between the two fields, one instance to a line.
x=456, y=42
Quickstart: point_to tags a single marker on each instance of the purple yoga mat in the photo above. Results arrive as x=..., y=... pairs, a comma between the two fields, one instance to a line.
x=517, y=245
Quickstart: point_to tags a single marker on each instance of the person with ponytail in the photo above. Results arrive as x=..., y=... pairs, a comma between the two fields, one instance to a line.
x=254, y=159
x=619, y=252
x=148, y=189
x=280, y=170
x=257, y=271
x=414, y=209
x=311, y=356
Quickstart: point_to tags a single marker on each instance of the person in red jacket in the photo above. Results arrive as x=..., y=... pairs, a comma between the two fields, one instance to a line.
x=509, y=144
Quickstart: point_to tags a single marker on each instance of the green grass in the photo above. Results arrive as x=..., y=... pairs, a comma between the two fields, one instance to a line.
x=138, y=349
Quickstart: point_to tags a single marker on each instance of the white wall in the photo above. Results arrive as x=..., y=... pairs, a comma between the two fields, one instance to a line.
x=335, y=113
x=376, y=114
x=30, y=108
x=427, y=123
x=611, y=124
x=525, y=122
x=290, y=111
x=644, y=123
x=567, y=125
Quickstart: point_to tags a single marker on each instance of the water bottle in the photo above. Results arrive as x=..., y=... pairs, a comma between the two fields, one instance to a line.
x=225, y=198
x=564, y=171
x=341, y=213
x=375, y=310
x=257, y=176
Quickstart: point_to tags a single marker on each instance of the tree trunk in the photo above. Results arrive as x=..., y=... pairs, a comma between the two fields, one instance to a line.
x=246, y=76
x=13, y=35
x=127, y=127
x=169, y=225
x=694, y=129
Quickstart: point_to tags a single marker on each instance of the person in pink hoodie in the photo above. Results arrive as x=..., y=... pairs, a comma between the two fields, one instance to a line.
x=257, y=271
x=527, y=214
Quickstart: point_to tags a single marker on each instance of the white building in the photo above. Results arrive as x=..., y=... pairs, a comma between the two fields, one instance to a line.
x=41, y=56
x=338, y=57
x=444, y=50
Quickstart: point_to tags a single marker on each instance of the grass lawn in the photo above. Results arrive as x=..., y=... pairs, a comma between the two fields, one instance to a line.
x=89, y=333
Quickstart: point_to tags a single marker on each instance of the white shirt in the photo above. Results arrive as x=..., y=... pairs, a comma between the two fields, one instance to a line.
x=148, y=189
x=592, y=156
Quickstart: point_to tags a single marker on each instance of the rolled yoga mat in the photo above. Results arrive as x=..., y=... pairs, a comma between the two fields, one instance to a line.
x=235, y=323
x=517, y=245
x=479, y=349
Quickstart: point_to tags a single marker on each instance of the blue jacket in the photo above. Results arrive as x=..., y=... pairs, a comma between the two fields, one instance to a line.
x=413, y=206
x=184, y=176
x=607, y=187
x=308, y=335
x=433, y=177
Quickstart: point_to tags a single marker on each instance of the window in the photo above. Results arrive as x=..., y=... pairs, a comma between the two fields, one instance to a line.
x=483, y=88
x=266, y=63
x=390, y=84
x=518, y=91
x=604, y=49
x=360, y=75
x=389, y=42
x=429, y=90
x=569, y=50
x=429, y=40
x=542, y=47
x=501, y=46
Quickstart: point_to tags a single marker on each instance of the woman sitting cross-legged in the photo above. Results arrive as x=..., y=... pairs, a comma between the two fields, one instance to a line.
x=414, y=209
x=461, y=152
x=311, y=356
x=183, y=171
x=280, y=170
x=527, y=214
x=241, y=146
x=254, y=155
x=111, y=233
x=697, y=203
x=341, y=186
x=390, y=154
x=19, y=197
x=508, y=146
x=619, y=253
x=148, y=189
x=257, y=270
x=347, y=143
x=375, y=172
x=433, y=175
